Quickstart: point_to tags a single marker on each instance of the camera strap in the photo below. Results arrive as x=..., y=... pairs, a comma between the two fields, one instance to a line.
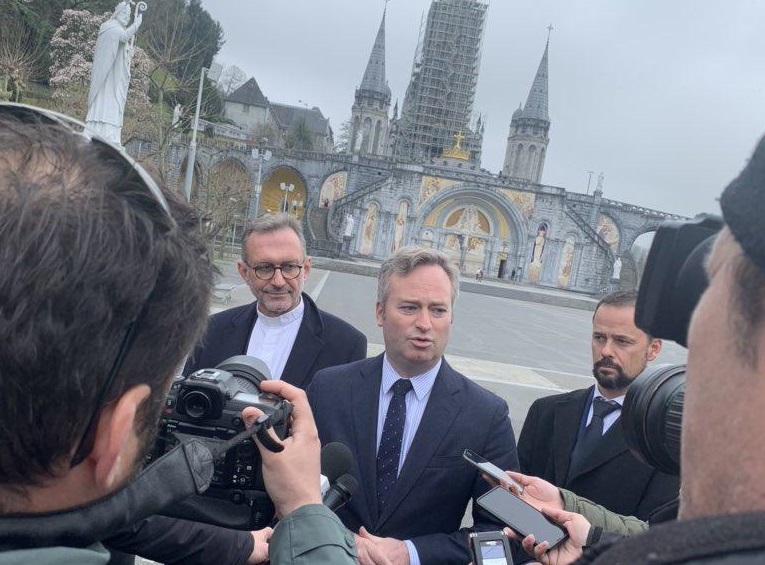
x=182, y=472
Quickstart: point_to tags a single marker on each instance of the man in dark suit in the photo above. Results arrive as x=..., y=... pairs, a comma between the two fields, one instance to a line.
x=283, y=326
x=407, y=416
x=575, y=440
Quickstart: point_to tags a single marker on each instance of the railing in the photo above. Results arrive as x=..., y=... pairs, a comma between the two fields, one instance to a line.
x=336, y=209
x=589, y=232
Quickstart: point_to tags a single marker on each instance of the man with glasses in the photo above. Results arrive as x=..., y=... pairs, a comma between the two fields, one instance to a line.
x=283, y=327
x=104, y=286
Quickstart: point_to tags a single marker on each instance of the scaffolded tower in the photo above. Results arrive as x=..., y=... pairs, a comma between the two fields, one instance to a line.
x=439, y=99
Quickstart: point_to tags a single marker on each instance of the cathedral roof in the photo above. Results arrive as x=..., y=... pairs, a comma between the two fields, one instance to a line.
x=249, y=93
x=536, y=103
x=374, y=75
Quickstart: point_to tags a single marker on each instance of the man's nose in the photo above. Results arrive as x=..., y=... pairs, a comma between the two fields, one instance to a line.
x=280, y=281
x=423, y=319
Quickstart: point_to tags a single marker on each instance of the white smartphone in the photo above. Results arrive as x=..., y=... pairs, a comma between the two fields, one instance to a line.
x=489, y=468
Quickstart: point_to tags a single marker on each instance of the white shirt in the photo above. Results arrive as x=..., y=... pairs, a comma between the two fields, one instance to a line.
x=272, y=338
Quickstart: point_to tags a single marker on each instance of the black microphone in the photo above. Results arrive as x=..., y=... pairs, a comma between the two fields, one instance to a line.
x=336, y=460
x=340, y=492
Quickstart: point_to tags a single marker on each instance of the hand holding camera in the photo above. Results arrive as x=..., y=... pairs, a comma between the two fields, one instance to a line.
x=290, y=475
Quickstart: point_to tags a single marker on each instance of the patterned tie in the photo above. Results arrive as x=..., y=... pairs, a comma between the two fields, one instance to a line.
x=390, y=443
x=592, y=435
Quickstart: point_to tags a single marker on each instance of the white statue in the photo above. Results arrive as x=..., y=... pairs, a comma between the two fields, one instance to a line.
x=617, y=268
x=110, y=78
x=349, y=225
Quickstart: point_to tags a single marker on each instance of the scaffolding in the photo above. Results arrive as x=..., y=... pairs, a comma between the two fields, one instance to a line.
x=438, y=103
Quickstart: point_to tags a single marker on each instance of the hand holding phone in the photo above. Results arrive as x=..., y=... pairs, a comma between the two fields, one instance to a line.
x=490, y=469
x=521, y=517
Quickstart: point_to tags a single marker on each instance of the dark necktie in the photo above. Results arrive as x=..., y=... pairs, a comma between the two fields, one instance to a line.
x=592, y=435
x=390, y=443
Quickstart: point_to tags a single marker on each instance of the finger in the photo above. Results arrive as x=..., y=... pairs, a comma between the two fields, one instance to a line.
x=509, y=532
x=528, y=544
x=521, y=481
x=301, y=411
x=557, y=515
x=364, y=533
x=250, y=415
x=489, y=479
x=541, y=549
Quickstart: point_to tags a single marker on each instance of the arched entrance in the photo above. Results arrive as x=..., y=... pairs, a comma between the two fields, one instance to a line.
x=284, y=190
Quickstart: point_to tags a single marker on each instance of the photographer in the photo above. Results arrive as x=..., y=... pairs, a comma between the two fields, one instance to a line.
x=722, y=501
x=104, y=287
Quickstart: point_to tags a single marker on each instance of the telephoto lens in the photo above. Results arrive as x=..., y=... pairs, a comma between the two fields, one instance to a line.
x=652, y=416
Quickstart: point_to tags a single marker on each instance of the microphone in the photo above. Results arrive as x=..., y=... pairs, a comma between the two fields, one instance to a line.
x=340, y=492
x=336, y=460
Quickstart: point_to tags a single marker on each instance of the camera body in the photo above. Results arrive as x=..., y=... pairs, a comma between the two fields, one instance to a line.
x=490, y=548
x=208, y=405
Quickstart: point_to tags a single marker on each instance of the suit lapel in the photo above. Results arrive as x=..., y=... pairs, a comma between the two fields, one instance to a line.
x=437, y=420
x=610, y=446
x=236, y=335
x=308, y=345
x=365, y=397
x=566, y=423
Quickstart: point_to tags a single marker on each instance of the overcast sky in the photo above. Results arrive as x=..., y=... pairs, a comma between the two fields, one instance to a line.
x=665, y=97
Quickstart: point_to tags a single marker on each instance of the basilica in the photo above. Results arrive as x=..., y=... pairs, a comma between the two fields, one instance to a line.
x=413, y=175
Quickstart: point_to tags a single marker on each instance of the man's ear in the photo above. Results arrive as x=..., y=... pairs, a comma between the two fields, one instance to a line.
x=654, y=348
x=242, y=268
x=380, y=313
x=114, y=449
x=306, y=266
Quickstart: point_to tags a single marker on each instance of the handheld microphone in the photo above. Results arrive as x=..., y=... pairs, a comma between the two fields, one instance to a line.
x=340, y=492
x=336, y=460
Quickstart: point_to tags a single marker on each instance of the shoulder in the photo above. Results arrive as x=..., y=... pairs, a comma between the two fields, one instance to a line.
x=470, y=391
x=548, y=402
x=341, y=372
x=232, y=314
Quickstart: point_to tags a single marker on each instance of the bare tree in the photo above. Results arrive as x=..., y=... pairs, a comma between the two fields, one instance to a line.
x=230, y=79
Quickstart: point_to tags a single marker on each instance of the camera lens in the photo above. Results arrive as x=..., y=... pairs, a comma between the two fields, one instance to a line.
x=197, y=404
x=652, y=417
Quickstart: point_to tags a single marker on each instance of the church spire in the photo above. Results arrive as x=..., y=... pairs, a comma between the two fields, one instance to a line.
x=369, y=113
x=536, y=103
x=374, y=75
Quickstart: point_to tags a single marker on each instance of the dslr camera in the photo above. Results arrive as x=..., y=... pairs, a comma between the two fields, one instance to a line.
x=208, y=405
x=673, y=282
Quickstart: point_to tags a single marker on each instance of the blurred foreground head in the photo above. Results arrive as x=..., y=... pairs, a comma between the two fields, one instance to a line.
x=104, y=286
x=723, y=447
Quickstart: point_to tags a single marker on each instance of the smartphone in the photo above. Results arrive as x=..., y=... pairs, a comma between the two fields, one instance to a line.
x=490, y=548
x=489, y=468
x=521, y=517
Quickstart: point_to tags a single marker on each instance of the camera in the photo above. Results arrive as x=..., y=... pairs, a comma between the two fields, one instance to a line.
x=673, y=282
x=208, y=405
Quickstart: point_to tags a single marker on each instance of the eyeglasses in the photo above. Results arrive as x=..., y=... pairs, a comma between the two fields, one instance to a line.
x=266, y=271
x=113, y=153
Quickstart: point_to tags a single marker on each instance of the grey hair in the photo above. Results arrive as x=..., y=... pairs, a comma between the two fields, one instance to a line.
x=407, y=259
x=270, y=223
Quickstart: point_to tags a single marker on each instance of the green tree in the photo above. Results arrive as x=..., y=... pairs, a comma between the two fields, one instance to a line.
x=299, y=137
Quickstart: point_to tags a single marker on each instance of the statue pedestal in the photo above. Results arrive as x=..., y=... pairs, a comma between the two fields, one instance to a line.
x=345, y=250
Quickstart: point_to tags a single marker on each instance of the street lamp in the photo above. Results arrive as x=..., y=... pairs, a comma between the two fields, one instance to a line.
x=261, y=155
x=287, y=188
x=213, y=73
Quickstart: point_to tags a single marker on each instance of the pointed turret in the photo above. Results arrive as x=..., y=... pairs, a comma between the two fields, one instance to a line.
x=369, y=114
x=374, y=75
x=529, y=127
x=536, y=103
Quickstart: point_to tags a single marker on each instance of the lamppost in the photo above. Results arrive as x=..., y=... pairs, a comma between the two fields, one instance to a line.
x=297, y=205
x=261, y=155
x=213, y=73
x=286, y=188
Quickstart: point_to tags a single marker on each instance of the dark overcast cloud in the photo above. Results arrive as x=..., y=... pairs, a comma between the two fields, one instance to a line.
x=666, y=98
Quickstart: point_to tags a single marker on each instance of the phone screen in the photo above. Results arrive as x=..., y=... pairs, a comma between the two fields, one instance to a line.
x=489, y=468
x=520, y=516
x=493, y=552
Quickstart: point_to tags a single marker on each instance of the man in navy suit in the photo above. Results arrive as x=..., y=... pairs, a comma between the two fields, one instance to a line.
x=283, y=327
x=407, y=416
x=553, y=443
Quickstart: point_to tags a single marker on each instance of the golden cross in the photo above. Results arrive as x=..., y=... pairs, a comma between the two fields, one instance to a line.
x=458, y=138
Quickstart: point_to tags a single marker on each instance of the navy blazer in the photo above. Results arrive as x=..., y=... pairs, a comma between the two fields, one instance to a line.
x=323, y=340
x=611, y=476
x=435, y=484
